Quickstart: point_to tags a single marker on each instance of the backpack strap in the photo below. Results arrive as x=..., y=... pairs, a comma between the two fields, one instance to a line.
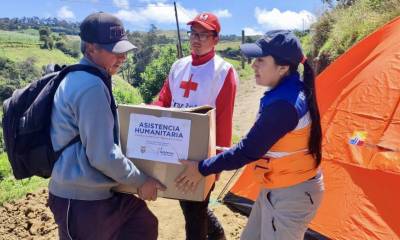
x=90, y=69
x=73, y=141
x=95, y=71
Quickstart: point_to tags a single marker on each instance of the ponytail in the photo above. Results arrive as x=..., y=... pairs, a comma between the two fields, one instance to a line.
x=314, y=142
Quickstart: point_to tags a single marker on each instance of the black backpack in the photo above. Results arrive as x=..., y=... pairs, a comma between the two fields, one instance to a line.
x=26, y=123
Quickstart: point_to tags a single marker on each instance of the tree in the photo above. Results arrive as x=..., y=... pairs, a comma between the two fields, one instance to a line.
x=250, y=39
x=15, y=75
x=145, y=53
x=128, y=70
x=156, y=73
x=45, y=37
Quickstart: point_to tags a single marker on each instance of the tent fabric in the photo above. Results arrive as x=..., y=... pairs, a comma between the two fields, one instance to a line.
x=359, y=101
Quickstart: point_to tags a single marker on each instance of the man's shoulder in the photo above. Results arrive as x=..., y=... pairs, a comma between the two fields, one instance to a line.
x=183, y=61
x=226, y=68
x=83, y=79
x=219, y=60
x=78, y=83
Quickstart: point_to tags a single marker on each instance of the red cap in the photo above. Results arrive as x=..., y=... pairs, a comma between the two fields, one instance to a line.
x=208, y=20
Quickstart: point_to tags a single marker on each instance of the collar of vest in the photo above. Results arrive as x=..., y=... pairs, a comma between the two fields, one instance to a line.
x=290, y=80
x=288, y=89
x=199, y=60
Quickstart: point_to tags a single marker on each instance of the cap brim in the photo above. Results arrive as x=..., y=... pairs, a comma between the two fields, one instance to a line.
x=252, y=50
x=203, y=24
x=122, y=46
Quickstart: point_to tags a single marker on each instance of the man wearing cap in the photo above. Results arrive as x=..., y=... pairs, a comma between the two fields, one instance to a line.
x=80, y=195
x=203, y=79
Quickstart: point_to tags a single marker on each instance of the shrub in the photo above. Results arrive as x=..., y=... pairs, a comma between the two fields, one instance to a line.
x=156, y=72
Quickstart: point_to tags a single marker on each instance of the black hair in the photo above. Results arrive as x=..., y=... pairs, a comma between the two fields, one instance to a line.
x=315, y=140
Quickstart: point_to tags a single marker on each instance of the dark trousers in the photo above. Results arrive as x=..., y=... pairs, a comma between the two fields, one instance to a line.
x=121, y=217
x=200, y=222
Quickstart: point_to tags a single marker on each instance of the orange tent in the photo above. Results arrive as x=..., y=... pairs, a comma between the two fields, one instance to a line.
x=359, y=100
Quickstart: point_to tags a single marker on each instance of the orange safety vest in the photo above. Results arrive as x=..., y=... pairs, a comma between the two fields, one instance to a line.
x=295, y=168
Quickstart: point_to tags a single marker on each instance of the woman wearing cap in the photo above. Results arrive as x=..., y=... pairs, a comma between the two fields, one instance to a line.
x=284, y=144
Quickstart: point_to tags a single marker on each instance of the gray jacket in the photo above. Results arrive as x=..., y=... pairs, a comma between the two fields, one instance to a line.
x=87, y=170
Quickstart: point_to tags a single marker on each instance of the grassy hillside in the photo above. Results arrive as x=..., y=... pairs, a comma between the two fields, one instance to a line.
x=14, y=189
x=18, y=46
x=339, y=29
x=224, y=45
x=21, y=39
x=124, y=92
x=244, y=74
x=42, y=56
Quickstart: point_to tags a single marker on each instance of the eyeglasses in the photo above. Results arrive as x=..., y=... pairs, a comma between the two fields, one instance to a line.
x=202, y=36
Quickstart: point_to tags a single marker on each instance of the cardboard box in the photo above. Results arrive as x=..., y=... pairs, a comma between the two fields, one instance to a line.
x=154, y=138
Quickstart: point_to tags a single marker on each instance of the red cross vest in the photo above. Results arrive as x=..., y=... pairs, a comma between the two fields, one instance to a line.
x=193, y=86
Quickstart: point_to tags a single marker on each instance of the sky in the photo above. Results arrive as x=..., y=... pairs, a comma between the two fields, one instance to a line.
x=253, y=16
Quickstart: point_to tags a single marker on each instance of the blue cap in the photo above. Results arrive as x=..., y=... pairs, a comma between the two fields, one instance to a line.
x=282, y=44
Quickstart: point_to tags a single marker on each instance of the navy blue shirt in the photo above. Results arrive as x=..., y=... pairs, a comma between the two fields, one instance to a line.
x=280, y=111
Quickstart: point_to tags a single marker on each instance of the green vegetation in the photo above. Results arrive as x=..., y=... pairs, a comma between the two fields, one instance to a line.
x=18, y=24
x=10, y=188
x=30, y=31
x=222, y=45
x=235, y=139
x=42, y=56
x=15, y=39
x=230, y=51
x=156, y=72
x=344, y=25
x=18, y=47
x=124, y=93
x=244, y=74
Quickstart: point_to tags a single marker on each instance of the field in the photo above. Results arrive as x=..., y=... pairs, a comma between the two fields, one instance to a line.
x=18, y=47
x=23, y=39
x=224, y=45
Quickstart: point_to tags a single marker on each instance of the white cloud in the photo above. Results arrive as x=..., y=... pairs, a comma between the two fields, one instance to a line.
x=223, y=13
x=65, y=13
x=158, y=13
x=123, y=4
x=248, y=31
x=275, y=19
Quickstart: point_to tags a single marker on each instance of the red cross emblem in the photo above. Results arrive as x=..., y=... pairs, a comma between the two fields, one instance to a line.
x=188, y=85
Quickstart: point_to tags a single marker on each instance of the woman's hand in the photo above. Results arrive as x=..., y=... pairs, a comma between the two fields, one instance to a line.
x=189, y=178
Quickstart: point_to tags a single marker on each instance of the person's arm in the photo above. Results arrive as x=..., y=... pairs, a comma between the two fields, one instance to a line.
x=164, y=97
x=275, y=120
x=96, y=123
x=224, y=110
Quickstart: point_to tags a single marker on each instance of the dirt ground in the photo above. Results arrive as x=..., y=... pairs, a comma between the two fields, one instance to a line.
x=30, y=218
